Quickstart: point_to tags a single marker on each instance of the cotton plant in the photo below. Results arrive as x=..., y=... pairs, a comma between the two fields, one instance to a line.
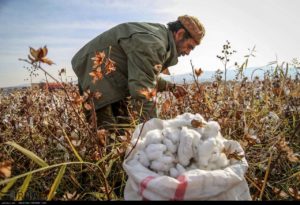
x=271, y=118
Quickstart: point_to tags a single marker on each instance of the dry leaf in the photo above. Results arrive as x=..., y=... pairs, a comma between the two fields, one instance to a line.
x=148, y=93
x=166, y=106
x=197, y=124
x=46, y=60
x=97, y=95
x=31, y=59
x=244, y=143
x=251, y=139
x=292, y=157
x=197, y=96
x=76, y=143
x=224, y=121
x=101, y=134
x=98, y=59
x=198, y=72
x=96, y=156
x=44, y=52
x=63, y=70
x=39, y=55
x=158, y=68
x=96, y=75
x=77, y=99
x=234, y=155
x=69, y=195
x=87, y=106
x=5, y=169
x=280, y=193
x=294, y=192
x=110, y=66
x=121, y=150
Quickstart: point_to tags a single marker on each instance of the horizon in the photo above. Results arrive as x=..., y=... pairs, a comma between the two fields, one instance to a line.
x=67, y=26
x=205, y=77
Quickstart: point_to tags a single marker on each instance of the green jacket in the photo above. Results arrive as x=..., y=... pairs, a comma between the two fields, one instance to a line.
x=136, y=48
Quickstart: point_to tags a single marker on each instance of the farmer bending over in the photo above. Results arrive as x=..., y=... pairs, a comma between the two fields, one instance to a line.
x=133, y=55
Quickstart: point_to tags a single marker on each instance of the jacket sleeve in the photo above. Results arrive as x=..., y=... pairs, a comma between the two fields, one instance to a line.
x=144, y=51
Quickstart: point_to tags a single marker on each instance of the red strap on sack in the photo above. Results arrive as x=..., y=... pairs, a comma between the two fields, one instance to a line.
x=180, y=191
x=143, y=185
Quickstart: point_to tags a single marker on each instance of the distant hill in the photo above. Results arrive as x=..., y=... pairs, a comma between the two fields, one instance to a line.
x=206, y=76
x=17, y=86
x=209, y=75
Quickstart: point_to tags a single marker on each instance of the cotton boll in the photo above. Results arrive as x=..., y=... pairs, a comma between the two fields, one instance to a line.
x=204, y=152
x=61, y=139
x=66, y=156
x=286, y=90
x=180, y=169
x=174, y=172
x=211, y=166
x=82, y=151
x=200, y=130
x=185, y=151
x=222, y=162
x=76, y=143
x=196, y=143
x=155, y=151
x=175, y=123
x=215, y=154
x=211, y=129
x=170, y=146
x=154, y=155
x=152, y=137
x=142, y=158
x=174, y=159
x=74, y=135
x=157, y=165
x=205, y=167
x=155, y=147
x=180, y=121
x=60, y=147
x=186, y=116
x=166, y=159
x=195, y=148
x=272, y=117
x=199, y=117
x=220, y=139
x=196, y=136
x=172, y=134
x=192, y=167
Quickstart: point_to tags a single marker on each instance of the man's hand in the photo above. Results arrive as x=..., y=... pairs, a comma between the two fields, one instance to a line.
x=177, y=90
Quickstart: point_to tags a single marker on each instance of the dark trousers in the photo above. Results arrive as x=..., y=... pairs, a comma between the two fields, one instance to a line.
x=112, y=115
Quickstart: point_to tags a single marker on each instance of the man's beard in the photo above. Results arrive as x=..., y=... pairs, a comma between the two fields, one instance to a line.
x=179, y=47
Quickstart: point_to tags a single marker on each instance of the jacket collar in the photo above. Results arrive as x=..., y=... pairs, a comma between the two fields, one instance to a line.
x=172, y=56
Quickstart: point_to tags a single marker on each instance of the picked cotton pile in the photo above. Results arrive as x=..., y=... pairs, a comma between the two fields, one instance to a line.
x=186, y=142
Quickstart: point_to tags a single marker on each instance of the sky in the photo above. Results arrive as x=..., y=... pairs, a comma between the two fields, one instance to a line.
x=272, y=26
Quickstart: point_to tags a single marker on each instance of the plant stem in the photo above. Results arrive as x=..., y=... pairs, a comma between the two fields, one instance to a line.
x=266, y=177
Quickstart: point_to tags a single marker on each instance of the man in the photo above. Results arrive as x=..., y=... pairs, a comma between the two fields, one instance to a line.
x=139, y=52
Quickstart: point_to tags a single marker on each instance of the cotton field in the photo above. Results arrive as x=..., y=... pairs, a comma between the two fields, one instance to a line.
x=45, y=138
